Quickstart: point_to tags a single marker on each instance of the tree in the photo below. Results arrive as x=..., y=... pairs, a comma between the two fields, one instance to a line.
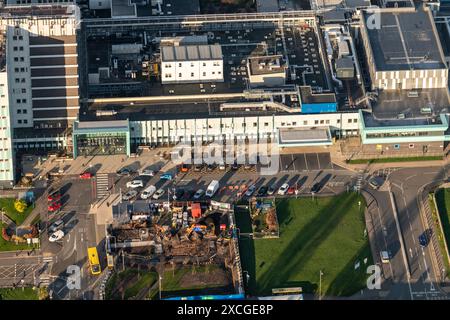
x=20, y=205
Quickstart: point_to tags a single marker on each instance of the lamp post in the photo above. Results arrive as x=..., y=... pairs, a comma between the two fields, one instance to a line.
x=320, y=284
x=160, y=286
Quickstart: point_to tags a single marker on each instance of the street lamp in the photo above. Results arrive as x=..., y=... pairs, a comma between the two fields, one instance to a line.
x=320, y=284
x=160, y=286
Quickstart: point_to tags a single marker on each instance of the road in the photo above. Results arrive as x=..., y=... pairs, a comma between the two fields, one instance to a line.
x=398, y=221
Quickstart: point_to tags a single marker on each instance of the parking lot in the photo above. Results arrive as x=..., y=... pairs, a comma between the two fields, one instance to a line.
x=303, y=171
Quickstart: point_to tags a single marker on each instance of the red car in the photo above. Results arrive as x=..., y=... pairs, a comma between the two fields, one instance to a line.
x=53, y=197
x=86, y=175
x=291, y=190
x=54, y=207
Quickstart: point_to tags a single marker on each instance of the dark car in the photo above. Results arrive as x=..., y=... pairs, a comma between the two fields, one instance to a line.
x=178, y=194
x=316, y=188
x=262, y=191
x=211, y=167
x=124, y=171
x=271, y=190
x=423, y=240
x=235, y=166
x=189, y=194
x=198, y=167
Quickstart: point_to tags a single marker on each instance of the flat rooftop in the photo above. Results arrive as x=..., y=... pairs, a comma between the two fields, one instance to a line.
x=299, y=136
x=307, y=96
x=392, y=103
x=371, y=122
x=406, y=41
x=122, y=8
x=266, y=65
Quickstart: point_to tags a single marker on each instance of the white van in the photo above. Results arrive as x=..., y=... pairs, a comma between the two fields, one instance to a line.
x=212, y=188
x=148, y=192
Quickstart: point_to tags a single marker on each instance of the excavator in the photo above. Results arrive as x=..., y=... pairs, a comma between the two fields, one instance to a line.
x=199, y=228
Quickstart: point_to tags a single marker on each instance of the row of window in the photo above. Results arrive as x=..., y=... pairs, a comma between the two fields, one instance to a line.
x=22, y=111
x=17, y=37
x=24, y=121
x=180, y=75
x=21, y=100
x=20, y=69
x=266, y=124
x=20, y=80
x=180, y=64
x=18, y=48
x=17, y=59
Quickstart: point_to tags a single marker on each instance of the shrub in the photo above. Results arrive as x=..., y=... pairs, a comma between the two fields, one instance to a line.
x=20, y=206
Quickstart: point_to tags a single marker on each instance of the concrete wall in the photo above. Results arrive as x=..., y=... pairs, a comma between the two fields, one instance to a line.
x=6, y=148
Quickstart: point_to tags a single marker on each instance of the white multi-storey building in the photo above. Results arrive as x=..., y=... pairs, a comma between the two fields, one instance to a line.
x=42, y=66
x=191, y=63
x=6, y=145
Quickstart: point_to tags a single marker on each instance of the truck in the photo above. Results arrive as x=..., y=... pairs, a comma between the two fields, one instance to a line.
x=212, y=188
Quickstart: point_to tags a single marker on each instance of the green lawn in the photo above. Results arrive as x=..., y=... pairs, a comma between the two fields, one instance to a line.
x=8, y=205
x=18, y=294
x=323, y=234
x=11, y=246
x=133, y=284
x=398, y=159
x=443, y=204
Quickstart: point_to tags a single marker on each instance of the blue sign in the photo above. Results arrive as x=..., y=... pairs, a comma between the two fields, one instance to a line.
x=319, y=107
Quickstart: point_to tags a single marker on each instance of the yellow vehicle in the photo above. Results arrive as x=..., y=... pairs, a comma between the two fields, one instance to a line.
x=94, y=262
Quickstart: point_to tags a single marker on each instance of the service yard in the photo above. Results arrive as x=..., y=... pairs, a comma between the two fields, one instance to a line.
x=322, y=234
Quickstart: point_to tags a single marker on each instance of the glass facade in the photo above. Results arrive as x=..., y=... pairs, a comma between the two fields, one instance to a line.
x=101, y=143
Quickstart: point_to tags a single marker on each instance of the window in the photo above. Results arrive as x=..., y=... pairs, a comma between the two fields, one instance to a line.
x=266, y=124
x=19, y=121
x=349, y=120
x=316, y=121
x=99, y=3
x=355, y=120
x=20, y=37
x=322, y=121
x=24, y=111
x=16, y=59
x=17, y=100
x=327, y=121
x=192, y=74
x=19, y=111
x=204, y=64
x=338, y=121
x=17, y=80
x=24, y=100
x=411, y=145
x=255, y=124
x=22, y=59
x=396, y=146
x=20, y=48
x=305, y=122
x=14, y=37
x=24, y=90
x=22, y=69
x=168, y=66
x=192, y=64
x=294, y=123
x=180, y=75
x=15, y=48
x=180, y=64
x=16, y=69
x=23, y=80
x=219, y=72
x=25, y=121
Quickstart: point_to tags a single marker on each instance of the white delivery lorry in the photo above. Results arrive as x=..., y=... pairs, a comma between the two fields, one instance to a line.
x=212, y=188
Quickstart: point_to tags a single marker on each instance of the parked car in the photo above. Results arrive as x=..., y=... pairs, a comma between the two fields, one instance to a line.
x=86, y=175
x=148, y=192
x=158, y=194
x=166, y=176
x=58, y=235
x=148, y=172
x=212, y=188
x=129, y=195
x=199, y=194
x=125, y=171
x=316, y=188
x=57, y=225
x=271, y=190
x=283, y=189
x=184, y=168
x=56, y=196
x=135, y=184
x=235, y=166
x=222, y=166
x=250, y=190
x=178, y=194
x=198, y=168
x=188, y=194
x=262, y=191
x=210, y=167
x=54, y=207
x=291, y=190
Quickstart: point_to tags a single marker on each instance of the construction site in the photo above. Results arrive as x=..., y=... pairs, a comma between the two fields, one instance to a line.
x=186, y=243
x=263, y=215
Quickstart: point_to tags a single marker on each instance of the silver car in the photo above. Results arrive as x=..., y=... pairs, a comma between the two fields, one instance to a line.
x=129, y=195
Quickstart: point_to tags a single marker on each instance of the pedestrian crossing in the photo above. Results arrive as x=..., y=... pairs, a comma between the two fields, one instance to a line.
x=102, y=185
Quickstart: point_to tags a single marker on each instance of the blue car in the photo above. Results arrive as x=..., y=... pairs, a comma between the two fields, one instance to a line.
x=423, y=240
x=166, y=176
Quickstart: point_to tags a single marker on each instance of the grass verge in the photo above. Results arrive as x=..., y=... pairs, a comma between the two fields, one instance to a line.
x=18, y=294
x=443, y=204
x=324, y=234
x=8, y=205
